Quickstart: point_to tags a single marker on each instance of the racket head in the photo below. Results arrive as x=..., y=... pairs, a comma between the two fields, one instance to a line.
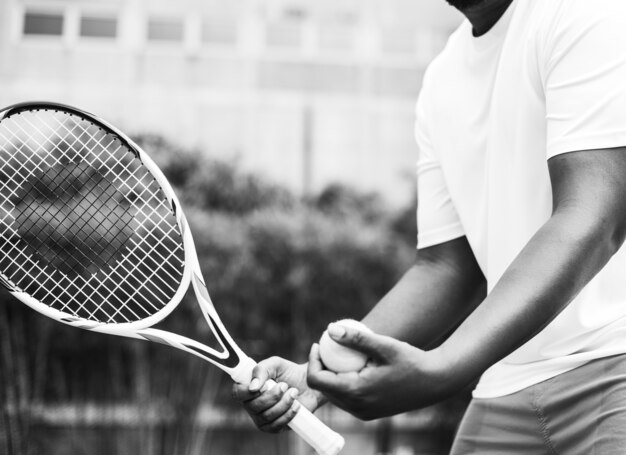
x=91, y=232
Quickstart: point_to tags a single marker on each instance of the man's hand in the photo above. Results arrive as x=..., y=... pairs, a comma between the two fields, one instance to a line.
x=273, y=408
x=398, y=378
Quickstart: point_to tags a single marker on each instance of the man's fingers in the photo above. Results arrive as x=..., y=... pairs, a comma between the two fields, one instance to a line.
x=242, y=392
x=324, y=380
x=275, y=419
x=264, y=370
x=260, y=374
x=274, y=368
x=267, y=398
x=315, y=362
x=316, y=368
x=379, y=347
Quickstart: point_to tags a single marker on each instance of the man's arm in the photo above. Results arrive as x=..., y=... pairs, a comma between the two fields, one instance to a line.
x=587, y=227
x=432, y=298
x=440, y=290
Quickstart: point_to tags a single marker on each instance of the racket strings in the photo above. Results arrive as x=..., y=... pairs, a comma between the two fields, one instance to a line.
x=80, y=230
x=84, y=227
x=44, y=189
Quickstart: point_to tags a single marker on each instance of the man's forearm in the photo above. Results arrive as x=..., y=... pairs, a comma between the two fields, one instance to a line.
x=549, y=272
x=433, y=297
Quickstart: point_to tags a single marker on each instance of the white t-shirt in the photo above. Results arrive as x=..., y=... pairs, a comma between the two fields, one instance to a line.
x=548, y=78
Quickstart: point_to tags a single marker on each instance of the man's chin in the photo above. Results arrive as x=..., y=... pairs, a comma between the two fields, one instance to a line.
x=463, y=5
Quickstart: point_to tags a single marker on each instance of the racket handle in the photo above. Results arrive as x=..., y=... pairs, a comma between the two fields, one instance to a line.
x=324, y=440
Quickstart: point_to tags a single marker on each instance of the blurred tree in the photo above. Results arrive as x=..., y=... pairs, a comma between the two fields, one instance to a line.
x=210, y=184
x=340, y=200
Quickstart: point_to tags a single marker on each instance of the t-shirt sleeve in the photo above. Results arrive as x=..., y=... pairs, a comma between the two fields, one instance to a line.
x=437, y=219
x=584, y=66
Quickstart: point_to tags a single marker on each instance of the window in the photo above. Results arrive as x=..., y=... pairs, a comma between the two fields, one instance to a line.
x=98, y=27
x=337, y=27
x=214, y=32
x=295, y=13
x=43, y=24
x=168, y=30
x=285, y=24
x=336, y=37
x=283, y=35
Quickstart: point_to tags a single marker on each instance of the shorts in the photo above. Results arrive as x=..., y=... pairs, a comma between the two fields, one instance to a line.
x=581, y=412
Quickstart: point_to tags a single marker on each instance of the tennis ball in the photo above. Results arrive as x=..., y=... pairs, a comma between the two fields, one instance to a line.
x=339, y=358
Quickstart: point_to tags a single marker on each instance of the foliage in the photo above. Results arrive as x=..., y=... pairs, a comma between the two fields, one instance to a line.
x=341, y=201
x=210, y=184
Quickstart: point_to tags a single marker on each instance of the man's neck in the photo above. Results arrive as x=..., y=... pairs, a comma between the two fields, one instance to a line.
x=485, y=15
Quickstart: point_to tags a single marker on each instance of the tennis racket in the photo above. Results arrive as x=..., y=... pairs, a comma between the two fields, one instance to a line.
x=93, y=236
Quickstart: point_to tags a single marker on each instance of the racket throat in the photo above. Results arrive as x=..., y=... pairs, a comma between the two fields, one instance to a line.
x=242, y=373
x=228, y=361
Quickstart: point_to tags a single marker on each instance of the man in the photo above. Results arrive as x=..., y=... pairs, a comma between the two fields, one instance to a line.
x=521, y=128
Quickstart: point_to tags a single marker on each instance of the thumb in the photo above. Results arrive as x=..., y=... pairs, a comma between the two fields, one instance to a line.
x=266, y=369
x=379, y=347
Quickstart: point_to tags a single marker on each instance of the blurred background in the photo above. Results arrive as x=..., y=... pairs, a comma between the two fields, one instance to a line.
x=286, y=127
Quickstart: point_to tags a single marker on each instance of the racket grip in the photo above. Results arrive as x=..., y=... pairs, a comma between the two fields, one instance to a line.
x=324, y=440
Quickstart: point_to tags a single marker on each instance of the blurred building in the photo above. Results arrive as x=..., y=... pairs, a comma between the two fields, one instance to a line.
x=307, y=92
